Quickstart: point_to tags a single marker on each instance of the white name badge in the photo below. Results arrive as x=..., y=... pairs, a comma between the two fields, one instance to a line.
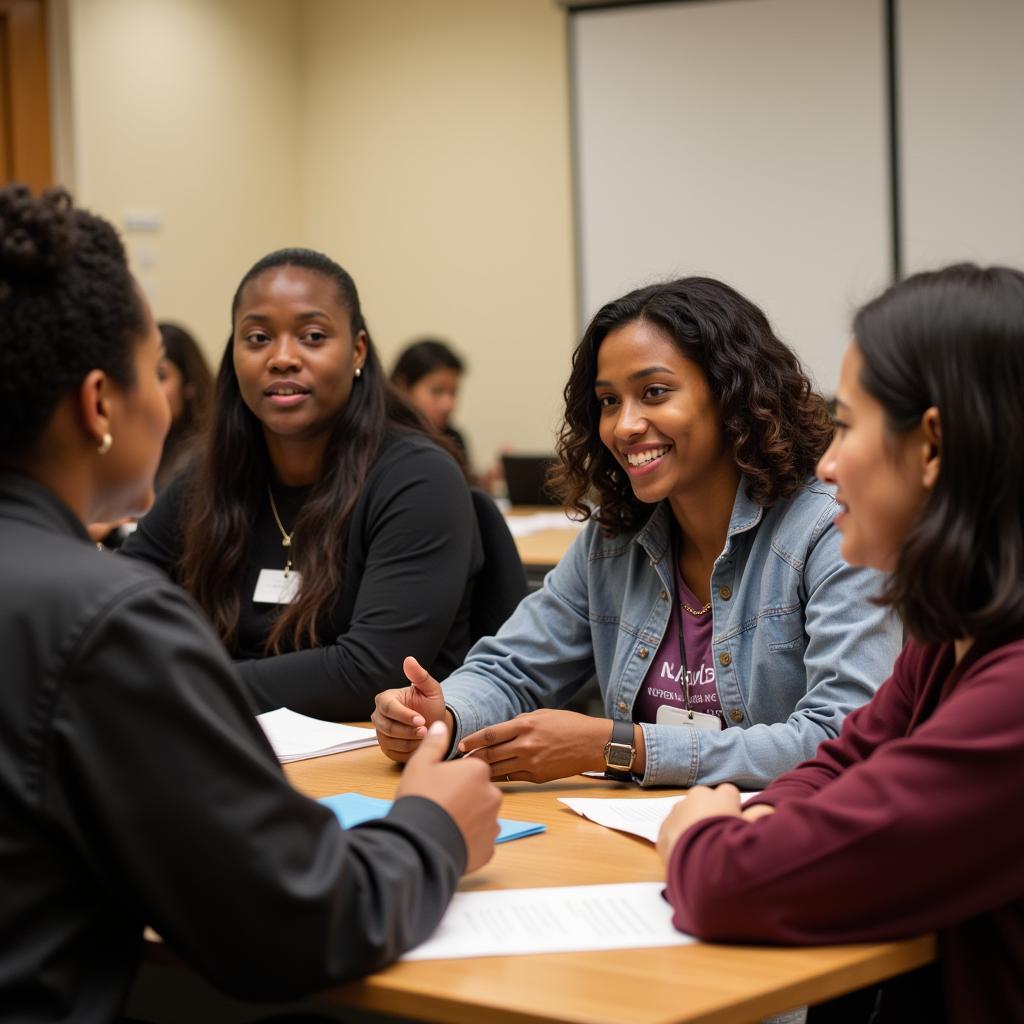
x=273, y=587
x=668, y=715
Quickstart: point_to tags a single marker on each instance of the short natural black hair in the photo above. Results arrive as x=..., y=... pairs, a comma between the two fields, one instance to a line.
x=422, y=357
x=954, y=339
x=68, y=305
x=774, y=421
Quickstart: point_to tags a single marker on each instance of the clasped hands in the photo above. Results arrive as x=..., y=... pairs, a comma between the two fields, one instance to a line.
x=534, y=747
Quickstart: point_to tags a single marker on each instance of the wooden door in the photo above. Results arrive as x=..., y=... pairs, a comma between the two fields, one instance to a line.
x=25, y=153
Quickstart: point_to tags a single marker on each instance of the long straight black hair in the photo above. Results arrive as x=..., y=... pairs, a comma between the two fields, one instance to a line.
x=954, y=339
x=232, y=479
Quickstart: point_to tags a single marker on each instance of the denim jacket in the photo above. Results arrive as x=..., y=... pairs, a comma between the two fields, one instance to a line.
x=797, y=642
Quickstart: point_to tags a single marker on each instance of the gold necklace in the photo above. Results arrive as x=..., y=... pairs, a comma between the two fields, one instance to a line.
x=697, y=612
x=286, y=538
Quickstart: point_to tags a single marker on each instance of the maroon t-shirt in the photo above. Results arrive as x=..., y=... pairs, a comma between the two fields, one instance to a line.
x=665, y=682
x=910, y=821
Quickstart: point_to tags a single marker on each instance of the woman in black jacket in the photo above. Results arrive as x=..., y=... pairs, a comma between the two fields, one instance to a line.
x=135, y=785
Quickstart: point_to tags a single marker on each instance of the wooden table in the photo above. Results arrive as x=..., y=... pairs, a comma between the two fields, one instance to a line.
x=541, y=551
x=701, y=982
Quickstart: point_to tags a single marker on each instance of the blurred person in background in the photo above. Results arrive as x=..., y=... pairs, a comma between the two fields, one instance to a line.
x=188, y=384
x=428, y=373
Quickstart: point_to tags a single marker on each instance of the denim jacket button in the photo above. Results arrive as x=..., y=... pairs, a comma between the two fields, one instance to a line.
x=725, y=658
x=623, y=707
x=664, y=595
x=725, y=593
x=736, y=715
x=643, y=652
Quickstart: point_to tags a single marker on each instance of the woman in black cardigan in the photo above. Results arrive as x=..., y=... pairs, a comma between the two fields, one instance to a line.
x=326, y=535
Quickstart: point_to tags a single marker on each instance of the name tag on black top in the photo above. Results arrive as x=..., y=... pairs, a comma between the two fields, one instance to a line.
x=275, y=587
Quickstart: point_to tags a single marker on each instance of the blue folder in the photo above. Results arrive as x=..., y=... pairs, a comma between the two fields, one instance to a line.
x=354, y=808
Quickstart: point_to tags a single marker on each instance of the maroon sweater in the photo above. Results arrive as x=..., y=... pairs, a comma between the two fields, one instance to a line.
x=911, y=820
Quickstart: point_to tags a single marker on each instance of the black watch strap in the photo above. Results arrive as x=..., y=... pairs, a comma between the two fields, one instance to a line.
x=620, y=752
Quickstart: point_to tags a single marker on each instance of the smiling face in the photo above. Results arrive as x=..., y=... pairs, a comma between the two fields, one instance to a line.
x=658, y=416
x=294, y=354
x=882, y=480
x=434, y=395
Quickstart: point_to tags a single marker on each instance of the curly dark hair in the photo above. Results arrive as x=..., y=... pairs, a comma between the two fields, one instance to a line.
x=777, y=425
x=68, y=305
x=954, y=339
x=232, y=477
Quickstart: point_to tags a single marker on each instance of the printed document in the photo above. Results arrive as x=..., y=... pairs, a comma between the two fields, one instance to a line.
x=562, y=919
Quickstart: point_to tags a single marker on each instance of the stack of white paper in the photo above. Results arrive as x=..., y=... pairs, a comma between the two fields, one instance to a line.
x=295, y=737
x=538, y=522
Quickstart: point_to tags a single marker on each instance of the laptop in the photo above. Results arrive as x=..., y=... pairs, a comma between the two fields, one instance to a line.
x=524, y=478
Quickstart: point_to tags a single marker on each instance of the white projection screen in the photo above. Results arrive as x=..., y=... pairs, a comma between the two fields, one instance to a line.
x=742, y=139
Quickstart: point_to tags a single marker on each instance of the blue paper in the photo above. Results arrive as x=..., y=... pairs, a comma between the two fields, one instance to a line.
x=354, y=808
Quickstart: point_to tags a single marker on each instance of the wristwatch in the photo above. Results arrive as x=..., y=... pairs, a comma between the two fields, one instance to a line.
x=620, y=750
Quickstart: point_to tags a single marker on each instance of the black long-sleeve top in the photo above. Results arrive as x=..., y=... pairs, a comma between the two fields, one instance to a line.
x=137, y=788
x=412, y=558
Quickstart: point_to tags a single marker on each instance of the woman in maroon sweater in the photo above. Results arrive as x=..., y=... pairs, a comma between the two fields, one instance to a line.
x=912, y=820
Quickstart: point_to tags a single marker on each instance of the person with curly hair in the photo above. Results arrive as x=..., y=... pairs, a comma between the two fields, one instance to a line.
x=137, y=787
x=706, y=593
x=324, y=530
x=908, y=822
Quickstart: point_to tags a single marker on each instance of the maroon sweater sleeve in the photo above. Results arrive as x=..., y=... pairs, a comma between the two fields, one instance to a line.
x=887, y=716
x=909, y=821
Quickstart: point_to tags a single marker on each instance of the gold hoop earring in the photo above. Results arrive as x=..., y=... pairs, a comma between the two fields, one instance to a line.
x=105, y=444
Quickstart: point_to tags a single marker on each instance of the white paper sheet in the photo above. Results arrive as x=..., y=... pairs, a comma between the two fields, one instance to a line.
x=295, y=737
x=563, y=919
x=537, y=522
x=640, y=816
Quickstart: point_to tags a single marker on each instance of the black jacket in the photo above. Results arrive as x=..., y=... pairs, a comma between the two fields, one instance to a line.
x=411, y=562
x=136, y=788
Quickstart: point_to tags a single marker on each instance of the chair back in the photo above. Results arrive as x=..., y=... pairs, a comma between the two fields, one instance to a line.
x=501, y=583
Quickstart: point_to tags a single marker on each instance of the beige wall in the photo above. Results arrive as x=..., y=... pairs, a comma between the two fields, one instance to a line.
x=424, y=146
x=185, y=108
x=438, y=172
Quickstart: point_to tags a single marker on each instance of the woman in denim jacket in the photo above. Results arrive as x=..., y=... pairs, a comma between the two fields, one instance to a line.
x=696, y=432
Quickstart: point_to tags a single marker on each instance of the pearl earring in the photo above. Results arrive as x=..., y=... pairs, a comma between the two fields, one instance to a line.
x=105, y=444
x=359, y=371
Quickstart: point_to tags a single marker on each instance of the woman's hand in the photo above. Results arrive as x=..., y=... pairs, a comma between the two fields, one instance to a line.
x=541, y=745
x=401, y=716
x=704, y=802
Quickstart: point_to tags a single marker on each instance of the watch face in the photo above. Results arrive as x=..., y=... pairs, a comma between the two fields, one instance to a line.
x=617, y=755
